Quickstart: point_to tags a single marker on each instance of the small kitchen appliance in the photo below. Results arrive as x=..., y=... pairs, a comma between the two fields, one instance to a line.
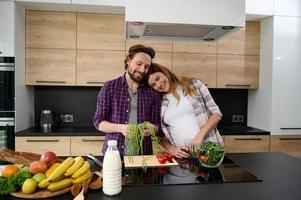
x=49, y=119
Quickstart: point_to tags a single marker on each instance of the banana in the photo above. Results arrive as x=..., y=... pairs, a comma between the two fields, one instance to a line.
x=60, y=184
x=61, y=169
x=44, y=183
x=83, y=169
x=82, y=178
x=51, y=169
x=78, y=162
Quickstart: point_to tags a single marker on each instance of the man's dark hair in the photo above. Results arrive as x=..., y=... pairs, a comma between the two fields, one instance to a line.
x=137, y=49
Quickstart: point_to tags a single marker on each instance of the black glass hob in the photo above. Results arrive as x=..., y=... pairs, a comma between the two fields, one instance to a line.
x=189, y=171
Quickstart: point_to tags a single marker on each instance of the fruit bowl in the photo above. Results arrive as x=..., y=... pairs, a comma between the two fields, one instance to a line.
x=211, y=155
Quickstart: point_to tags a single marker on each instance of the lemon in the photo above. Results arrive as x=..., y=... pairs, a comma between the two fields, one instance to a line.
x=29, y=186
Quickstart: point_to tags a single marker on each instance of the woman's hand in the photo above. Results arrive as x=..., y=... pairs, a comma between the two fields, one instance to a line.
x=180, y=152
x=196, y=141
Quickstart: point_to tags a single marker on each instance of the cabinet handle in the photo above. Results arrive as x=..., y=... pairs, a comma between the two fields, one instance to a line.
x=53, y=140
x=94, y=82
x=237, y=85
x=290, y=138
x=297, y=128
x=50, y=81
x=91, y=140
x=247, y=139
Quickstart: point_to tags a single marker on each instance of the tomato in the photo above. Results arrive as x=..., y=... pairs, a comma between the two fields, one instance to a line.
x=159, y=154
x=162, y=159
x=203, y=158
x=168, y=156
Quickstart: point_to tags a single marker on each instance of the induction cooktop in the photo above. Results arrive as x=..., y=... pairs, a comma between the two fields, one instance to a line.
x=189, y=171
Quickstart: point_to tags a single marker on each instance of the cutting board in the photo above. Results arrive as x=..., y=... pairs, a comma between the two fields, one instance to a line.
x=149, y=161
x=40, y=194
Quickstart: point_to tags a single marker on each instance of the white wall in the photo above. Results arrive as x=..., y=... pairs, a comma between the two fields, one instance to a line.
x=259, y=106
x=24, y=95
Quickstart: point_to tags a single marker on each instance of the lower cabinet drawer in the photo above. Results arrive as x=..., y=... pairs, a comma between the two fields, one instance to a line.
x=59, y=145
x=81, y=146
x=247, y=143
x=290, y=144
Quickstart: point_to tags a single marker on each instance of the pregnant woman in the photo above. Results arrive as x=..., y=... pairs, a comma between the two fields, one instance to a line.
x=189, y=114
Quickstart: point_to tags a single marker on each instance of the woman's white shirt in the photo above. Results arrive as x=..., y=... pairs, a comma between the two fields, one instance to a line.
x=180, y=118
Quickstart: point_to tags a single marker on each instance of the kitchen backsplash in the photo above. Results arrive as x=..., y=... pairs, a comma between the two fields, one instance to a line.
x=81, y=103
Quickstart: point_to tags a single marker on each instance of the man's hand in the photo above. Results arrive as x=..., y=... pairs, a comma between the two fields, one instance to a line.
x=146, y=132
x=124, y=129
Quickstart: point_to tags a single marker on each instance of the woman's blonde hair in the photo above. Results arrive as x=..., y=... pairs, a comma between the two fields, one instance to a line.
x=174, y=81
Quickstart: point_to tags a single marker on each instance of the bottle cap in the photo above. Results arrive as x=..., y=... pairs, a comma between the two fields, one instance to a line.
x=112, y=143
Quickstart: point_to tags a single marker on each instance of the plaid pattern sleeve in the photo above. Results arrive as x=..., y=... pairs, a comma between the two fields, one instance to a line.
x=102, y=106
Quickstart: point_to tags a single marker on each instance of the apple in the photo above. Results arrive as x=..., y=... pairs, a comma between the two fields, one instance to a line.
x=48, y=157
x=39, y=177
x=37, y=167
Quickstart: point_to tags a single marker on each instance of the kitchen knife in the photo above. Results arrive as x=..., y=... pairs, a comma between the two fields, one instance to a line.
x=98, y=162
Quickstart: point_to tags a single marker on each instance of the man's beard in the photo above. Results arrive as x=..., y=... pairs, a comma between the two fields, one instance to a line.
x=135, y=78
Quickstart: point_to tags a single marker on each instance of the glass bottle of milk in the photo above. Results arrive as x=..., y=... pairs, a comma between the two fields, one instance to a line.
x=112, y=170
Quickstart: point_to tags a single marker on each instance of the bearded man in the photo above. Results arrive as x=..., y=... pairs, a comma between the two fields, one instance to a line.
x=128, y=100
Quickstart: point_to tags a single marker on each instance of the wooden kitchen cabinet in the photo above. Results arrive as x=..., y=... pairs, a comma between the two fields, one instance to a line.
x=60, y=145
x=247, y=143
x=199, y=66
x=95, y=67
x=87, y=144
x=245, y=41
x=100, y=31
x=290, y=144
x=50, y=30
x=50, y=67
x=237, y=71
x=157, y=45
x=194, y=47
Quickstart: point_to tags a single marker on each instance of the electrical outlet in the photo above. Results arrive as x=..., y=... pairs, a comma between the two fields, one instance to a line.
x=68, y=118
x=237, y=118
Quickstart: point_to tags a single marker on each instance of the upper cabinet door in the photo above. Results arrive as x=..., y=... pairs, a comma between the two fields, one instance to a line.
x=157, y=45
x=199, y=66
x=50, y=66
x=237, y=71
x=95, y=67
x=194, y=47
x=242, y=42
x=50, y=30
x=100, y=31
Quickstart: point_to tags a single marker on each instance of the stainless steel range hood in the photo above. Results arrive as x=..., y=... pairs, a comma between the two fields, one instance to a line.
x=183, y=20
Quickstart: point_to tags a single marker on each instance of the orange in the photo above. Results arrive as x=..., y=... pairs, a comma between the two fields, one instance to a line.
x=9, y=170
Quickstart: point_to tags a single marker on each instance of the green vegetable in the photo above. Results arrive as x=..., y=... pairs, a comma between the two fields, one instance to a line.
x=14, y=182
x=3, y=186
x=211, y=153
x=136, y=138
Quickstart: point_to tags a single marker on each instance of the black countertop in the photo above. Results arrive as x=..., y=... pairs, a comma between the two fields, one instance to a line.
x=280, y=174
x=91, y=131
